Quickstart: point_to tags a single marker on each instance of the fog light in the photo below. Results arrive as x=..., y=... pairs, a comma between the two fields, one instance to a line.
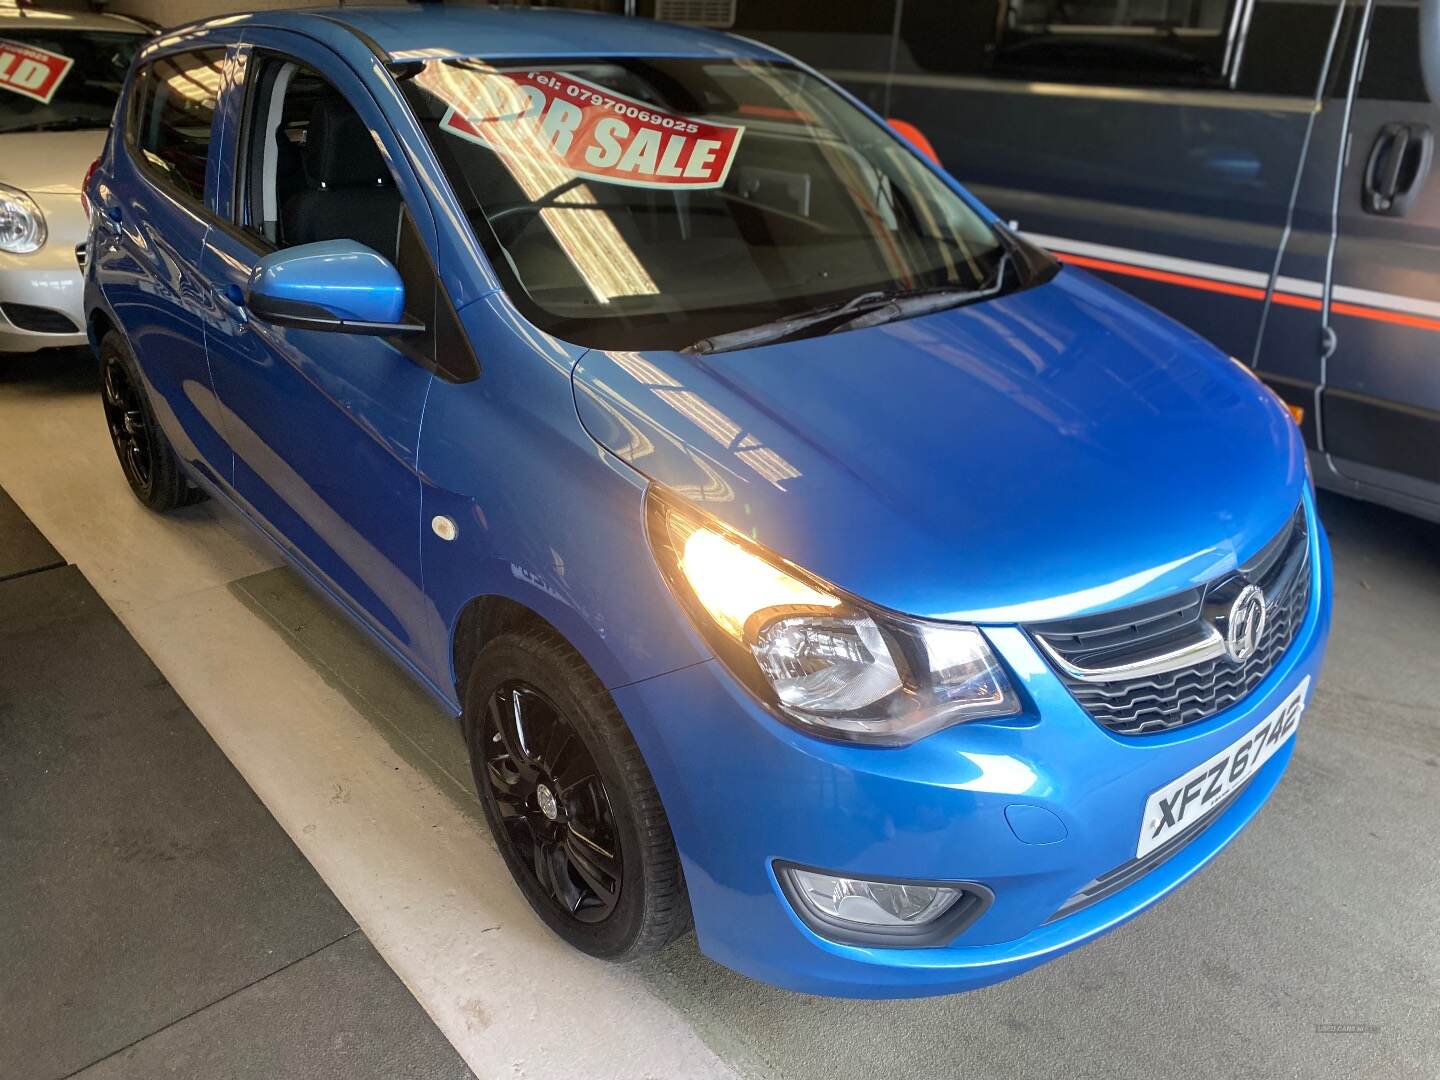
x=863, y=911
x=873, y=903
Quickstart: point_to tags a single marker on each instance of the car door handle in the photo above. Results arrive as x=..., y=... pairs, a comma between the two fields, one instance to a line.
x=231, y=300
x=107, y=225
x=1397, y=168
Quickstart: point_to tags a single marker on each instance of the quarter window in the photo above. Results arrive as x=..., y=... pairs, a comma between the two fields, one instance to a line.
x=173, y=115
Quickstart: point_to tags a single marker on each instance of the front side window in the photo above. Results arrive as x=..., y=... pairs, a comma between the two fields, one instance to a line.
x=174, y=112
x=311, y=169
x=650, y=203
x=61, y=80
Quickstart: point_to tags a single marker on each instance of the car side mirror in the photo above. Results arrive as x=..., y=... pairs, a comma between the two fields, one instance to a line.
x=1430, y=47
x=336, y=285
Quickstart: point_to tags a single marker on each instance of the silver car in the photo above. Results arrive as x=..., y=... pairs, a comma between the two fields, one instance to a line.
x=60, y=75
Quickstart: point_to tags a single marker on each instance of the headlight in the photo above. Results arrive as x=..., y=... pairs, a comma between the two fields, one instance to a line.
x=22, y=225
x=817, y=657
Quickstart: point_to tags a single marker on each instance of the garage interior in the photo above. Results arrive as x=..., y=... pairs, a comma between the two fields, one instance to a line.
x=237, y=841
x=364, y=873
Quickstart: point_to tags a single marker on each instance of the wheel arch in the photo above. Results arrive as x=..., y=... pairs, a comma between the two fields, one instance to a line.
x=98, y=323
x=484, y=618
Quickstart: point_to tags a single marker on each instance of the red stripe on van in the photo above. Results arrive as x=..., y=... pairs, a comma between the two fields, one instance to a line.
x=1248, y=292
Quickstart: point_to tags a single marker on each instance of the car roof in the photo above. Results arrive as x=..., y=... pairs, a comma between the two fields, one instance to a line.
x=29, y=18
x=437, y=31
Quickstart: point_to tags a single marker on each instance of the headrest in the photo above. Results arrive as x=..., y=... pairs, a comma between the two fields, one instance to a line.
x=339, y=149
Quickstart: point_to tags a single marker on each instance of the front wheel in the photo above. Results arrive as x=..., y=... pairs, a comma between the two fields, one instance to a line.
x=570, y=801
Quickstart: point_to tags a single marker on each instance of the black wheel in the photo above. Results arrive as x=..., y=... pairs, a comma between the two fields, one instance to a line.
x=569, y=800
x=149, y=464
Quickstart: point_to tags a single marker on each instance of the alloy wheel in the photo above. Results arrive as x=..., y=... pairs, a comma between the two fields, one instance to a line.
x=129, y=431
x=552, y=804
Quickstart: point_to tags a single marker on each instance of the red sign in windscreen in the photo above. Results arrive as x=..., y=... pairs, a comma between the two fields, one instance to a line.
x=559, y=120
x=34, y=73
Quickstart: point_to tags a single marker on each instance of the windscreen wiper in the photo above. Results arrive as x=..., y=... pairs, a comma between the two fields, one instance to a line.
x=903, y=305
x=867, y=309
x=787, y=326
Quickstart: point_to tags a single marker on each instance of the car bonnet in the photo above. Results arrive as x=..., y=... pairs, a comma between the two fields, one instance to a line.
x=1048, y=453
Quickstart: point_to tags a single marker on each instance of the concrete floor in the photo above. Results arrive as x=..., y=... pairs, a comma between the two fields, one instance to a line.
x=1310, y=948
x=160, y=923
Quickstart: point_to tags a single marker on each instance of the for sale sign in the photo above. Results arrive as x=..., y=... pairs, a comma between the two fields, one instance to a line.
x=555, y=119
x=31, y=72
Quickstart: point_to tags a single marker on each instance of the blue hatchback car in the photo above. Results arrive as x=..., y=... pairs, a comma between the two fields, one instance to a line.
x=808, y=555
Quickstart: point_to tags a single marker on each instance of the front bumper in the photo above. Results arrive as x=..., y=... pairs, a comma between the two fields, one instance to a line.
x=743, y=791
x=50, y=279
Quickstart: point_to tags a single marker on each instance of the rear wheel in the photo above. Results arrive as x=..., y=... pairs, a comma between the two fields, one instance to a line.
x=570, y=801
x=149, y=464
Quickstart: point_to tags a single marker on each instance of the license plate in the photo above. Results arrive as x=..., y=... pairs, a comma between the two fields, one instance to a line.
x=1176, y=807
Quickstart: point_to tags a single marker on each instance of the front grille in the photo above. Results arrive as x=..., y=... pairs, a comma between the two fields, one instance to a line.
x=38, y=320
x=1195, y=691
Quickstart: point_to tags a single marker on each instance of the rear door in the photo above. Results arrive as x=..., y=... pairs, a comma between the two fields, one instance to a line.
x=150, y=229
x=1381, y=409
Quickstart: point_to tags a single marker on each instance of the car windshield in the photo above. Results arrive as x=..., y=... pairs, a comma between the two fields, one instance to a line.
x=654, y=202
x=61, y=80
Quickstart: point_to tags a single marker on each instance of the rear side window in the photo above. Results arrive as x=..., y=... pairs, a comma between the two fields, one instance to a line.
x=171, y=117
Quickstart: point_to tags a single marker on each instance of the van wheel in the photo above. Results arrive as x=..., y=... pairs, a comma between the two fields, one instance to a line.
x=570, y=801
x=149, y=464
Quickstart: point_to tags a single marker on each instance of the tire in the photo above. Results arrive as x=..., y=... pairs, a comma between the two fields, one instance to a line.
x=555, y=858
x=146, y=457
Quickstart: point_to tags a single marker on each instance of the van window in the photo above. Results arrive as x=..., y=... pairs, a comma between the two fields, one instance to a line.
x=1171, y=42
x=1262, y=47
x=172, y=115
x=1285, y=43
x=1392, y=61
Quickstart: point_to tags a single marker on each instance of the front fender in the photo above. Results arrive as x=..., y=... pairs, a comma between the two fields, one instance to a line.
x=543, y=516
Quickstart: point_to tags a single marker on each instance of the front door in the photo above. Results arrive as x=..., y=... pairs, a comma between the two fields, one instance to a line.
x=324, y=426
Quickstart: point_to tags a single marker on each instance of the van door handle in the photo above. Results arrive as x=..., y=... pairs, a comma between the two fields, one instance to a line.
x=1397, y=168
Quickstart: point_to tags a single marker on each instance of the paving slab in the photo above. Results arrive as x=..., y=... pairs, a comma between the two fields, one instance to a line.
x=337, y=1015
x=142, y=882
x=23, y=549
